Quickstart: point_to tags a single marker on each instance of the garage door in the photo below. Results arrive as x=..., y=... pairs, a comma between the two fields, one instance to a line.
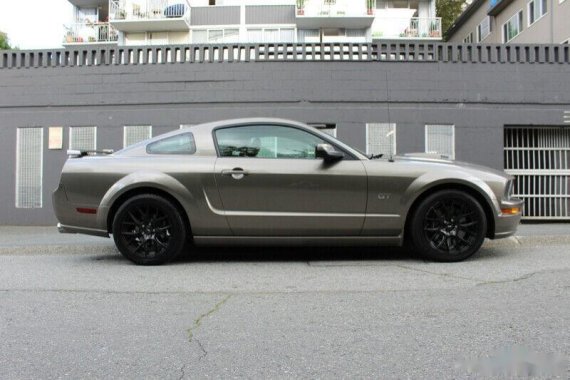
x=539, y=158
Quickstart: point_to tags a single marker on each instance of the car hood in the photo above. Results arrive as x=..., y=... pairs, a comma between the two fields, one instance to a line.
x=437, y=159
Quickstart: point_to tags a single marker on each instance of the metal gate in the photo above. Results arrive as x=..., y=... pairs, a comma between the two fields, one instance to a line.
x=539, y=158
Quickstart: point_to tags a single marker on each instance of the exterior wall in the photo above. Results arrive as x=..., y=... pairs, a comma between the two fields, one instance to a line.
x=478, y=96
x=553, y=27
x=215, y=15
x=270, y=14
x=561, y=19
x=470, y=26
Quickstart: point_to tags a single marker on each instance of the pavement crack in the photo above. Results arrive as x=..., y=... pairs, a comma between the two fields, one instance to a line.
x=522, y=278
x=437, y=273
x=182, y=372
x=204, y=352
x=198, y=323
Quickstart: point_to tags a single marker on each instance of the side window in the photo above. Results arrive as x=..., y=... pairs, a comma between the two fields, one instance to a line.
x=266, y=141
x=179, y=144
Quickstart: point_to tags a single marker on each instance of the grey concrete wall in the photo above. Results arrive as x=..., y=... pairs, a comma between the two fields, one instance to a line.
x=478, y=98
x=270, y=14
x=215, y=15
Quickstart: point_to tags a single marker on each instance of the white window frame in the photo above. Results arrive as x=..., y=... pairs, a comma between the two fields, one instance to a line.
x=537, y=5
x=468, y=39
x=426, y=143
x=72, y=129
x=479, y=31
x=18, y=201
x=394, y=128
x=265, y=27
x=217, y=28
x=125, y=128
x=516, y=17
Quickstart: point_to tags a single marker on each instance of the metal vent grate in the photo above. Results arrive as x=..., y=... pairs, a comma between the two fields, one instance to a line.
x=440, y=138
x=83, y=138
x=539, y=158
x=381, y=138
x=136, y=133
x=29, y=167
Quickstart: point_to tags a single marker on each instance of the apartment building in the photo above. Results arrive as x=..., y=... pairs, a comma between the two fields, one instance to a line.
x=160, y=22
x=513, y=21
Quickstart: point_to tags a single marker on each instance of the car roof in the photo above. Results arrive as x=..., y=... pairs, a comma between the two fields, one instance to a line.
x=207, y=128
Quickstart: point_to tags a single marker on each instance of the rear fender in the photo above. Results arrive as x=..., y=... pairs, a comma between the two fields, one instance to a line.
x=147, y=178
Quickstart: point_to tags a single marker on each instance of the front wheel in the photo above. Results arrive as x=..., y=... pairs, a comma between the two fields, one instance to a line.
x=149, y=230
x=449, y=225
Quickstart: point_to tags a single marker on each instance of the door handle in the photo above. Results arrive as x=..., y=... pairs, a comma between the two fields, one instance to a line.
x=236, y=173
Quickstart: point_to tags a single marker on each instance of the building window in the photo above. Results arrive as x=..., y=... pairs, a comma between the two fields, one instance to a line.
x=29, y=167
x=484, y=29
x=133, y=134
x=381, y=138
x=536, y=9
x=211, y=36
x=513, y=27
x=468, y=39
x=270, y=35
x=83, y=138
x=440, y=138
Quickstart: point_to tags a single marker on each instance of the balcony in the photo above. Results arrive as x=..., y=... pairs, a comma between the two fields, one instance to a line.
x=413, y=28
x=316, y=14
x=150, y=15
x=90, y=33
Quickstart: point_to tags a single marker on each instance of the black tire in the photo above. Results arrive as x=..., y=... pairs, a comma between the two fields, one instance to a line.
x=448, y=226
x=149, y=230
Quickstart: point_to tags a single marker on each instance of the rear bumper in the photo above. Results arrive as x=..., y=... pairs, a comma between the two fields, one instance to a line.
x=81, y=230
x=506, y=225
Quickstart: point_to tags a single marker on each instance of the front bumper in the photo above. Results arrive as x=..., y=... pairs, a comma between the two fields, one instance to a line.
x=506, y=224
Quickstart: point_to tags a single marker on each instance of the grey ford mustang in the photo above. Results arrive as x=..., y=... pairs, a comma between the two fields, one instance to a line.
x=273, y=181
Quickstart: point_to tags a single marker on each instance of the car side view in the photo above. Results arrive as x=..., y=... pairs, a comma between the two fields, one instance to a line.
x=278, y=182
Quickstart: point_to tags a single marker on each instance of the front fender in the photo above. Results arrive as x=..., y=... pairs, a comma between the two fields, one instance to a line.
x=140, y=179
x=430, y=181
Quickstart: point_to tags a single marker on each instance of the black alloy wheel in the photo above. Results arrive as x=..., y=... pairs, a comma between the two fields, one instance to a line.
x=448, y=225
x=149, y=230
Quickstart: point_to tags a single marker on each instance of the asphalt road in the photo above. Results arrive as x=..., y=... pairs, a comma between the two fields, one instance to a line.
x=72, y=307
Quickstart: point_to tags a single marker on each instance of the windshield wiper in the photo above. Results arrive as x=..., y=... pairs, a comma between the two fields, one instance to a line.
x=375, y=156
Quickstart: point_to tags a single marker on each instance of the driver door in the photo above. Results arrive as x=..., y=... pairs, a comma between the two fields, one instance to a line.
x=272, y=184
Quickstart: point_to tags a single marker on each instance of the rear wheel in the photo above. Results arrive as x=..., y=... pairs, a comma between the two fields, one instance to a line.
x=448, y=225
x=149, y=230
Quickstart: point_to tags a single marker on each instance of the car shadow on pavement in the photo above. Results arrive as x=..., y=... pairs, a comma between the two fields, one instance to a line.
x=269, y=254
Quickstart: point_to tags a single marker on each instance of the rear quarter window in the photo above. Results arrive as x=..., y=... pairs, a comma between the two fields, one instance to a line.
x=179, y=144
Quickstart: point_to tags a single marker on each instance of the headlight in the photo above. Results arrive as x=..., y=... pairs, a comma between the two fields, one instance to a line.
x=509, y=189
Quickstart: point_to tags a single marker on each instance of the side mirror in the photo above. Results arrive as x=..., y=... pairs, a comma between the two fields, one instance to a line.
x=328, y=153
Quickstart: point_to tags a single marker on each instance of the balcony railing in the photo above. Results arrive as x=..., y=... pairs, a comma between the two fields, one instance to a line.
x=410, y=28
x=90, y=33
x=349, y=14
x=148, y=10
x=332, y=8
